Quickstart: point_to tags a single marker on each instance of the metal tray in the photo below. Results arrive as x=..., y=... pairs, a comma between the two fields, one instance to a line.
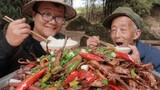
x=4, y=80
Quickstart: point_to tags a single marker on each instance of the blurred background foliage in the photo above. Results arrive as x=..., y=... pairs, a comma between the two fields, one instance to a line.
x=94, y=11
x=11, y=8
x=95, y=14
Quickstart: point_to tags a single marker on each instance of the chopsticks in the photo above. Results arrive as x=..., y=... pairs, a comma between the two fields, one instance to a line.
x=8, y=19
x=65, y=42
x=101, y=42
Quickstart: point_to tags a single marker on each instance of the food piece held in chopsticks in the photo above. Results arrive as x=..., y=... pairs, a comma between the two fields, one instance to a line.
x=123, y=49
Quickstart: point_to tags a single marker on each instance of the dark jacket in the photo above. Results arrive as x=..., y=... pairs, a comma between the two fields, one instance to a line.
x=149, y=54
x=9, y=55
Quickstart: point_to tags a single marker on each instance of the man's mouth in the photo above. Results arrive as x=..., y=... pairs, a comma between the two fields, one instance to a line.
x=51, y=27
x=119, y=43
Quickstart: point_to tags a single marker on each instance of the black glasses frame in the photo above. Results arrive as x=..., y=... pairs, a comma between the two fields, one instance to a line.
x=48, y=17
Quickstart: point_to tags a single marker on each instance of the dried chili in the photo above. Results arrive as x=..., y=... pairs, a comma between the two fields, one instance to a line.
x=124, y=56
x=30, y=80
x=90, y=56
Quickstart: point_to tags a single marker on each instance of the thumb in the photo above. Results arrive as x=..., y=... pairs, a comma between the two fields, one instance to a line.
x=135, y=54
x=134, y=49
x=23, y=20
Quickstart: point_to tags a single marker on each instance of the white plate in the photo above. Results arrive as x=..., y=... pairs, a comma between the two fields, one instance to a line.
x=56, y=44
x=123, y=49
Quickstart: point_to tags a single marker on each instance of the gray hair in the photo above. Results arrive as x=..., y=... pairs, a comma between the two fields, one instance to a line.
x=134, y=26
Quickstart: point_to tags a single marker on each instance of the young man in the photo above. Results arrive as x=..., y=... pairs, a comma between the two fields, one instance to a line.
x=48, y=17
x=126, y=26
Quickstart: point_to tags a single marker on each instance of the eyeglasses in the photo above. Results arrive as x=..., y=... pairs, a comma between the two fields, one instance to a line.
x=48, y=17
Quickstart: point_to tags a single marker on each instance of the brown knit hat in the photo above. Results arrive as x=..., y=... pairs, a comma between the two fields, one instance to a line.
x=70, y=11
x=124, y=11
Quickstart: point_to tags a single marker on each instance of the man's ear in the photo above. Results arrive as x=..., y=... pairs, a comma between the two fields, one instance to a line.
x=137, y=34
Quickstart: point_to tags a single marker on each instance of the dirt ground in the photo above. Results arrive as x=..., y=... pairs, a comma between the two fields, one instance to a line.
x=153, y=21
x=75, y=35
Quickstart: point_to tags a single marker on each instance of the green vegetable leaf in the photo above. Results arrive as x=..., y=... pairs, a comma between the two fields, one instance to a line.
x=105, y=81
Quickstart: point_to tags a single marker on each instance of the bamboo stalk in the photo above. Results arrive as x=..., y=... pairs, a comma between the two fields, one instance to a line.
x=8, y=19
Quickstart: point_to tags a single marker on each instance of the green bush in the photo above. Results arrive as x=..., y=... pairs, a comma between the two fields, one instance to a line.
x=11, y=8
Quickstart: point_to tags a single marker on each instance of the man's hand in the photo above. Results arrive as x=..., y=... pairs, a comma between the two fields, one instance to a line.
x=93, y=41
x=135, y=54
x=17, y=31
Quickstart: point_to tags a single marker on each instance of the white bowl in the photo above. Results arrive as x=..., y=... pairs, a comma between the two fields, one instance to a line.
x=123, y=49
x=57, y=44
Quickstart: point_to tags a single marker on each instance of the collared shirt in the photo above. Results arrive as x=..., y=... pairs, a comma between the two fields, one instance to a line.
x=149, y=54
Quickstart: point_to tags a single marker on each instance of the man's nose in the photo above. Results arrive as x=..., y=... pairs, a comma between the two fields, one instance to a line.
x=117, y=34
x=53, y=21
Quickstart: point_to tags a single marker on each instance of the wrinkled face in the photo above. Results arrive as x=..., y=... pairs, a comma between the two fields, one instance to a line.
x=124, y=32
x=47, y=28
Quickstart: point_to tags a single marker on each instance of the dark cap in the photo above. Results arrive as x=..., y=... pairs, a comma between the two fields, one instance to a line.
x=124, y=11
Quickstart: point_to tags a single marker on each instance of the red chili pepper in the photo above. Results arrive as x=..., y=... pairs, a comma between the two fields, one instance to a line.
x=114, y=87
x=90, y=76
x=82, y=74
x=30, y=80
x=124, y=56
x=90, y=56
x=70, y=78
x=29, y=66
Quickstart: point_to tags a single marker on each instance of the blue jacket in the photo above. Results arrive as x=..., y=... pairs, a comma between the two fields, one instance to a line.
x=149, y=54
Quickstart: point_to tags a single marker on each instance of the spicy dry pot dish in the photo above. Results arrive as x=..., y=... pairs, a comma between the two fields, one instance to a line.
x=89, y=68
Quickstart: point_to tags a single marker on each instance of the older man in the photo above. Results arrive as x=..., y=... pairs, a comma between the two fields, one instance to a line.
x=126, y=26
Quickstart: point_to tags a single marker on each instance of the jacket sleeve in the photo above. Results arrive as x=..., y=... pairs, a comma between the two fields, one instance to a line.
x=149, y=54
x=154, y=57
x=6, y=52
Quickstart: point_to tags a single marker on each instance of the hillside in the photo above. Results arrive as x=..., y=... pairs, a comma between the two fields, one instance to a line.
x=153, y=21
x=80, y=26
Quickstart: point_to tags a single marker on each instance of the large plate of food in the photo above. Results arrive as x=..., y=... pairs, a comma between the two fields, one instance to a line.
x=88, y=68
